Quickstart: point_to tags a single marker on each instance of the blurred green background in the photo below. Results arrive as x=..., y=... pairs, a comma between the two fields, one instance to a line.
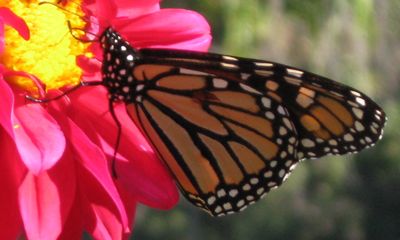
x=356, y=42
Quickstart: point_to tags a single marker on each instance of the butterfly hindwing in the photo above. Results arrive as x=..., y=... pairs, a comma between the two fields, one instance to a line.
x=226, y=143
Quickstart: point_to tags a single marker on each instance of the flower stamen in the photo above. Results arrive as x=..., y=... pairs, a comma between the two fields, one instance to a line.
x=50, y=54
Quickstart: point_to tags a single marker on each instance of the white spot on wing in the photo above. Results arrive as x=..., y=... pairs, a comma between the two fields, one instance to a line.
x=281, y=110
x=245, y=76
x=294, y=72
x=191, y=72
x=249, y=89
x=358, y=112
x=333, y=142
x=211, y=200
x=359, y=126
x=263, y=64
x=254, y=181
x=220, y=83
x=246, y=187
x=260, y=191
x=129, y=57
x=281, y=173
x=139, y=87
x=264, y=73
x=227, y=206
x=268, y=174
x=273, y=164
x=229, y=58
x=282, y=131
x=125, y=89
x=233, y=192
x=293, y=81
x=308, y=143
x=360, y=101
x=221, y=193
x=348, y=137
x=218, y=209
x=355, y=93
x=270, y=115
x=229, y=65
x=266, y=102
x=240, y=203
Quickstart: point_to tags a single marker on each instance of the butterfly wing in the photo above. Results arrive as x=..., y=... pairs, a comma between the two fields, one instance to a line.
x=230, y=129
x=329, y=117
x=215, y=136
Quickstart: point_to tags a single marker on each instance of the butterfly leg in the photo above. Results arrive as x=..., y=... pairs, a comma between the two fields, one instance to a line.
x=65, y=93
x=116, y=146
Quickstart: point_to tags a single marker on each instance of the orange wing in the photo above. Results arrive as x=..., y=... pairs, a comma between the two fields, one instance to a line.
x=217, y=137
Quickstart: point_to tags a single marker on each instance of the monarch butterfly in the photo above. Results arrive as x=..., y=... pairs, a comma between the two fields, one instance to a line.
x=231, y=129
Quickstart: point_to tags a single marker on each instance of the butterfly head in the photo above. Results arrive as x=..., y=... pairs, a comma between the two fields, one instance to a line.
x=118, y=63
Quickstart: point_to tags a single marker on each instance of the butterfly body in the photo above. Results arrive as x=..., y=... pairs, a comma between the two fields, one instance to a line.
x=230, y=129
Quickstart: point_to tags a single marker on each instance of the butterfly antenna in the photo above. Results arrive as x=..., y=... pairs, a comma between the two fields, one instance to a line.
x=64, y=9
x=72, y=29
x=68, y=91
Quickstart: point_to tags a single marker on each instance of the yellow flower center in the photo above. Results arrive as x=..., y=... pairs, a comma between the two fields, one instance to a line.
x=51, y=51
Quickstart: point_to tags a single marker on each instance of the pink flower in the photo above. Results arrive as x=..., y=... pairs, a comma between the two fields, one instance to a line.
x=56, y=179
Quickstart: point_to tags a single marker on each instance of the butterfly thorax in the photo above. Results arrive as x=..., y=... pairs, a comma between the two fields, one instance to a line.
x=118, y=63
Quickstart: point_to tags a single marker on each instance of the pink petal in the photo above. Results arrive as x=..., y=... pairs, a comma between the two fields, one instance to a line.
x=46, y=199
x=92, y=159
x=73, y=227
x=100, y=212
x=129, y=202
x=33, y=204
x=2, y=38
x=139, y=171
x=10, y=174
x=105, y=225
x=7, y=104
x=39, y=140
x=106, y=9
x=9, y=18
x=142, y=4
x=132, y=9
x=168, y=28
x=89, y=65
x=33, y=78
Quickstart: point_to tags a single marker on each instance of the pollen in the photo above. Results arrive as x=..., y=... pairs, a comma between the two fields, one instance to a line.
x=50, y=53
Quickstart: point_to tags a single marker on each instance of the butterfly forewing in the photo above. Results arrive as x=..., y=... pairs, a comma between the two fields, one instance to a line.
x=230, y=129
x=330, y=118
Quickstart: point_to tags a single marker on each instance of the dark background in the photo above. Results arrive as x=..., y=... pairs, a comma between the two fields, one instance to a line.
x=356, y=42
